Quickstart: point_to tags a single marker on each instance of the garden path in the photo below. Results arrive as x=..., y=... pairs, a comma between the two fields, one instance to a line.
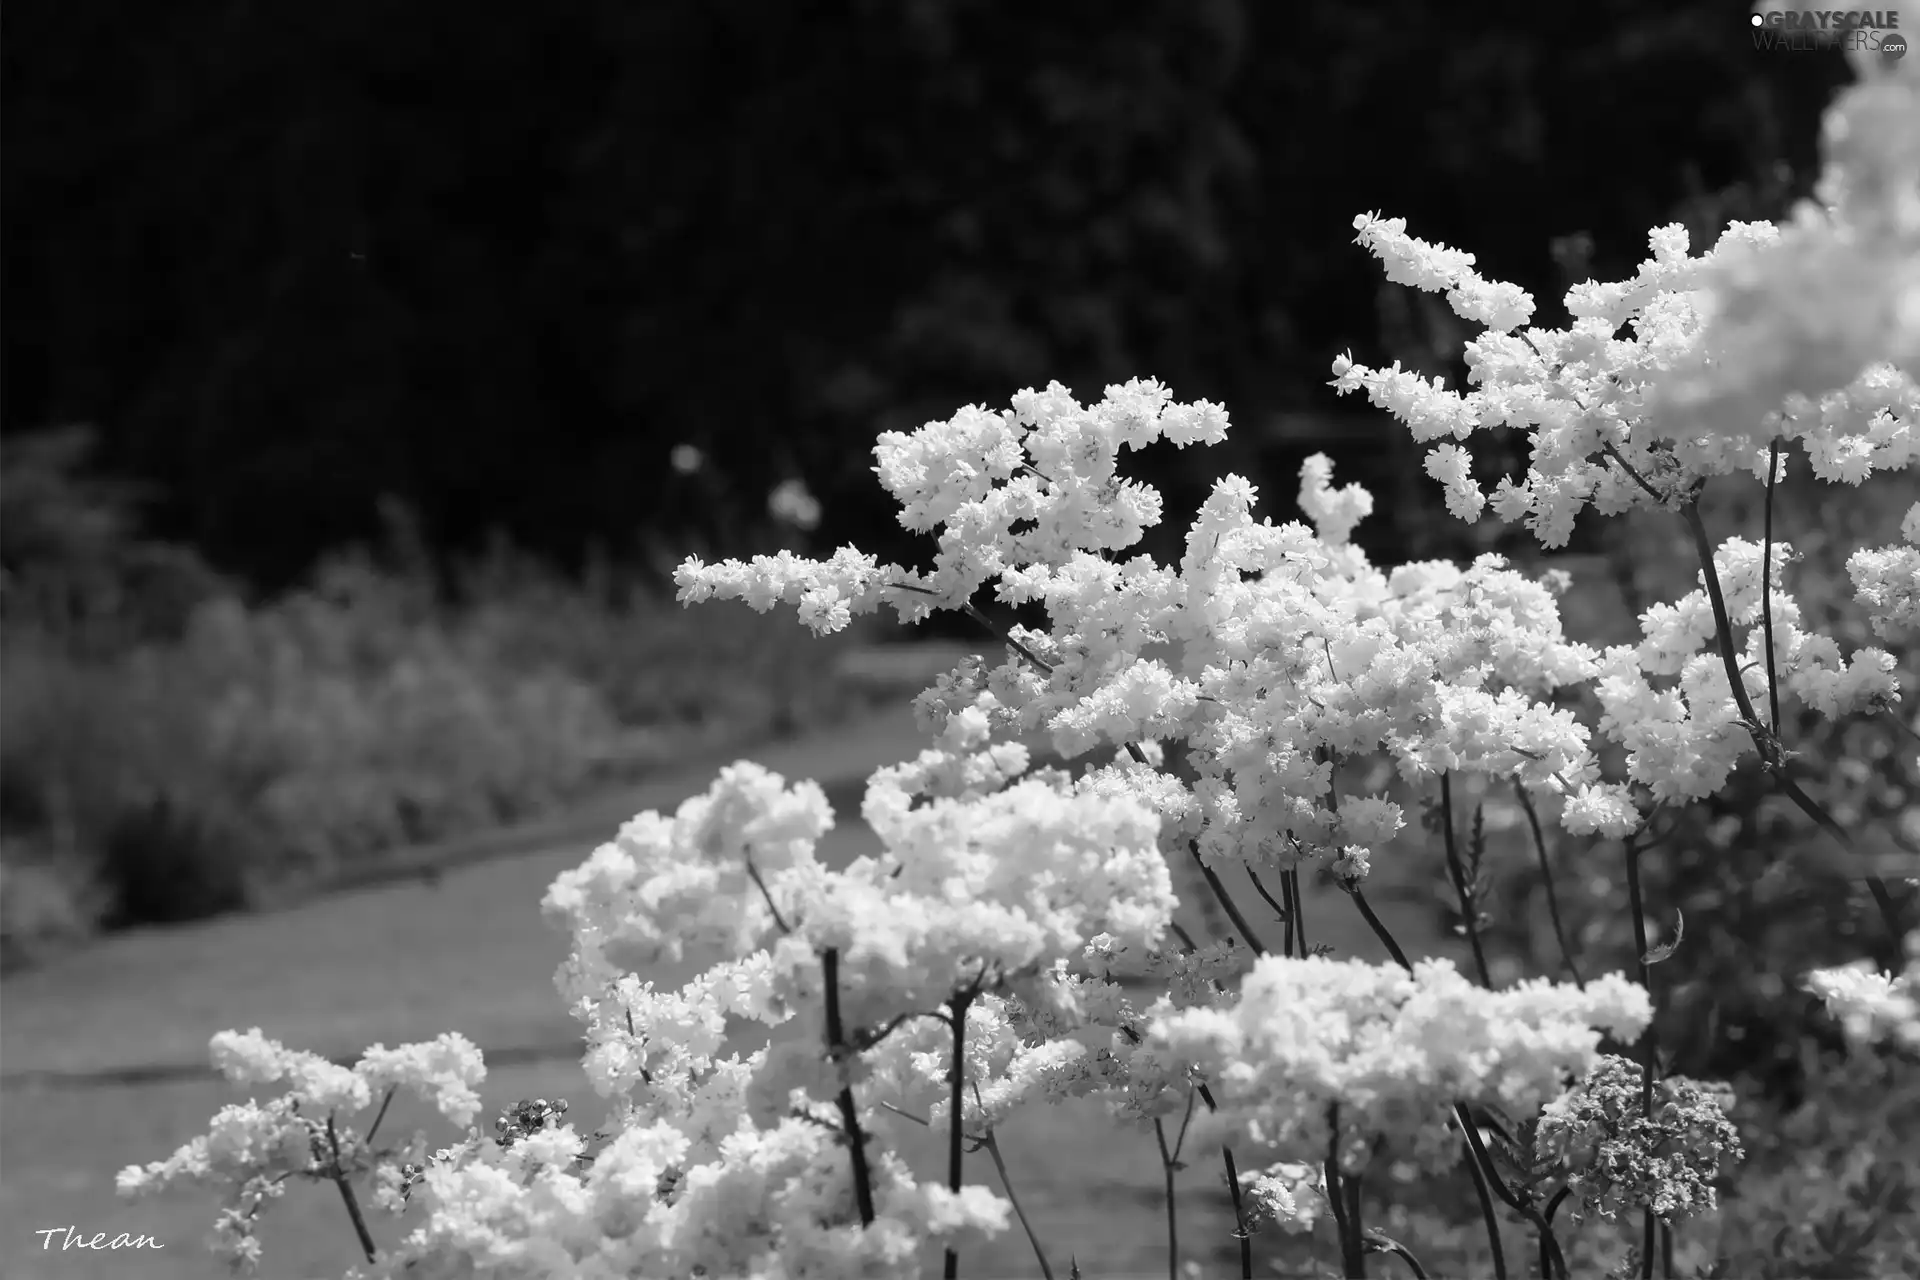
x=103, y=1053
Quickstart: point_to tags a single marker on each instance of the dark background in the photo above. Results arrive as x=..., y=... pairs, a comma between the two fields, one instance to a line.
x=300, y=264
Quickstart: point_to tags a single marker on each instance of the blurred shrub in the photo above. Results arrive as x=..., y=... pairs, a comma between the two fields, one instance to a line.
x=72, y=563
x=160, y=765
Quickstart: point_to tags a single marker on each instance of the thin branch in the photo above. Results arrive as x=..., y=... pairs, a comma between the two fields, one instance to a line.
x=339, y=1176
x=1173, y=1221
x=1373, y=921
x=991, y=1146
x=1650, y=1039
x=1546, y=879
x=381, y=1114
x=1766, y=587
x=1352, y=1258
x=1380, y=1242
x=1890, y=714
x=1226, y=900
x=1279, y=912
x=1614, y=453
x=1297, y=920
x=1488, y=1216
x=753, y=873
x=967, y=607
x=958, y=1080
x=1240, y=1231
x=1506, y=1193
x=1350, y=1183
x=849, y=1117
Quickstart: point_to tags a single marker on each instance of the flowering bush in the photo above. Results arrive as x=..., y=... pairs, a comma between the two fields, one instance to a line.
x=977, y=963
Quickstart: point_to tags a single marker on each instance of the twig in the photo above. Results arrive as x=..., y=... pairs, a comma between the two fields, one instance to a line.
x=1373, y=921
x=1297, y=919
x=339, y=1176
x=1546, y=879
x=1380, y=1242
x=1649, y=1040
x=753, y=873
x=957, y=1078
x=1507, y=1195
x=1489, y=1217
x=381, y=1114
x=1352, y=1259
x=849, y=1117
x=967, y=607
x=1169, y=1165
x=1279, y=912
x=1240, y=1231
x=1766, y=586
x=1226, y=900
x=991, y=1145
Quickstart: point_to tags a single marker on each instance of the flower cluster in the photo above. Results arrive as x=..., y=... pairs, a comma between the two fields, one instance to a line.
x=1871, y=1006
x=1618, y=1155
x=1394, y=1051
x=252, y=1149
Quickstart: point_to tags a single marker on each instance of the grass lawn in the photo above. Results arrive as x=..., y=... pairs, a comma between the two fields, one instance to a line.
x=471, y=953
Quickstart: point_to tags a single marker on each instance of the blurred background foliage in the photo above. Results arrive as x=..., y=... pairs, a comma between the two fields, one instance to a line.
x=291, y=262
x=174, y=743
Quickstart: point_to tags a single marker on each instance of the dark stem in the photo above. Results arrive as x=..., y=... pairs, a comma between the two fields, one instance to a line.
x=1291, y=908
x=957, y=1078
x=1506, y=1193
x=1766, y=587
x=968, y=608
x=1239, y=1216
x=1352, y=1259
x=992, y=1146
x=1298, y=919
x=1173, y=1221
x=1546, y=878
x=347, y=1197
x=1374, y=923
x=1226, y=900
x=381, y=1114
x=1338, y=1204
x=1385, y=1243
x=1492, y=1219
x=1649, y=1040
x=849, y=1118
x=1350, y=1183
x=1279, y=912
x=753, y=873
x=1469, y=909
